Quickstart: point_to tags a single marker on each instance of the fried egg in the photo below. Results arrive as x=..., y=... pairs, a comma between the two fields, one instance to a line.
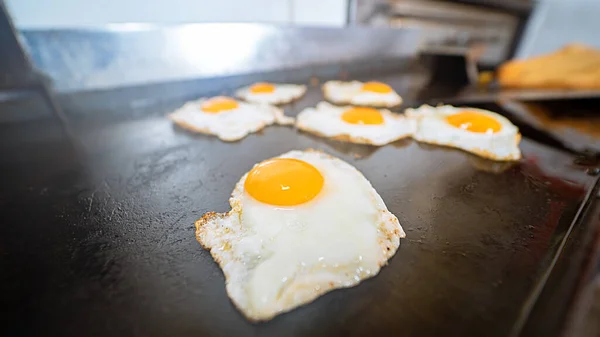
x=358, y=93
x=482, y=132
x=300, y=225
x=361, y=125
x=271, y=93
x=227, y=118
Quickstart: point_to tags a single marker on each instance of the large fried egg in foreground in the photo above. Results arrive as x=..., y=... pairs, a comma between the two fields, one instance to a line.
x=482, y=132
x=361, y=125
x=375, y=94
x=271, y=93
x=227, y=118
x=300, y=225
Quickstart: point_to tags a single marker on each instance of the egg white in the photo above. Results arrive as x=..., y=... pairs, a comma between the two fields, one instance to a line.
x=283, y=93
x=277, y=258
x=229, y=125
x=325, y=120
x=339, y=92
x=432, y=128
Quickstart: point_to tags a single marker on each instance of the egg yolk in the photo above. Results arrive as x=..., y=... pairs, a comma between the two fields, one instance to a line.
x=284, y=182
x=262, y=88
x=219, y=104
x=474, y=121
x=378, y=87
x=360, y=115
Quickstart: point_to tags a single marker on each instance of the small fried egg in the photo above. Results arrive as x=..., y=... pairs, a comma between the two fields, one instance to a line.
x=358, y=93
x=271, y=93
x=361, y=125
x=227, y=118
x=300, y=225
x=482, y=132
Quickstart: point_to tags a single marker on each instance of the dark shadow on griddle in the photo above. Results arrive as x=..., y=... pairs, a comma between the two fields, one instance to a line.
x=478, y=163
x=358, y=151
x=201, y=136
x=448, y=76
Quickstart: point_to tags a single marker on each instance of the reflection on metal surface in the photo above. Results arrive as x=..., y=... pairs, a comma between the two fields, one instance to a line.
x=542, y=115
x=224, y=49
x=543, y=166
x=137, y=54
x=579, y=130
x=477, y=95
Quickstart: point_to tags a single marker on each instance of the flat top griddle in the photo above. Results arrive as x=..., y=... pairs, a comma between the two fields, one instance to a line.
x=98, y=239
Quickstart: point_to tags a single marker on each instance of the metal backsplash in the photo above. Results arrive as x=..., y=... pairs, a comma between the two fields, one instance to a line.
x=15, y=73
x=450, y=24
x=133, y=54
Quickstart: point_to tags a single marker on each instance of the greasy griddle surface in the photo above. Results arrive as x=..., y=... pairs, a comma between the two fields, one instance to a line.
x=104, y=239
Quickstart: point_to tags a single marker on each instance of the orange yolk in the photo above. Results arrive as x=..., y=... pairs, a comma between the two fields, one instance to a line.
x=360, y=115
x=474, y=121
x=378, y=87
x=262, y=88
x=284, y=182
x=218, y=104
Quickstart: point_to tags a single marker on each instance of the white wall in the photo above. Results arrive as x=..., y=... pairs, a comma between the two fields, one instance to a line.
x=320, y=13
x=86, y=13
x=558, y=22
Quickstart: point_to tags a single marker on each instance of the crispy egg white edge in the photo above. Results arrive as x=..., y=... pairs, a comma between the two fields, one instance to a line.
x=302, y=123
x=179, y=117
x=509, y=132
x=272, y=98
x=213, y=233
x=393, y=99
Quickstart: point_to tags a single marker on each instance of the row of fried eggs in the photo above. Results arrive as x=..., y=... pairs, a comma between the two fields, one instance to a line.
x=478, y=131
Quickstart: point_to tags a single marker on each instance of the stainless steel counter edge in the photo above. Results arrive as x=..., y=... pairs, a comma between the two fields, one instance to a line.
x=131, y=54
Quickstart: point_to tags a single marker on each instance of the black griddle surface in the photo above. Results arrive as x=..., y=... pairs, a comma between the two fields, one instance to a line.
x=98, y=240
